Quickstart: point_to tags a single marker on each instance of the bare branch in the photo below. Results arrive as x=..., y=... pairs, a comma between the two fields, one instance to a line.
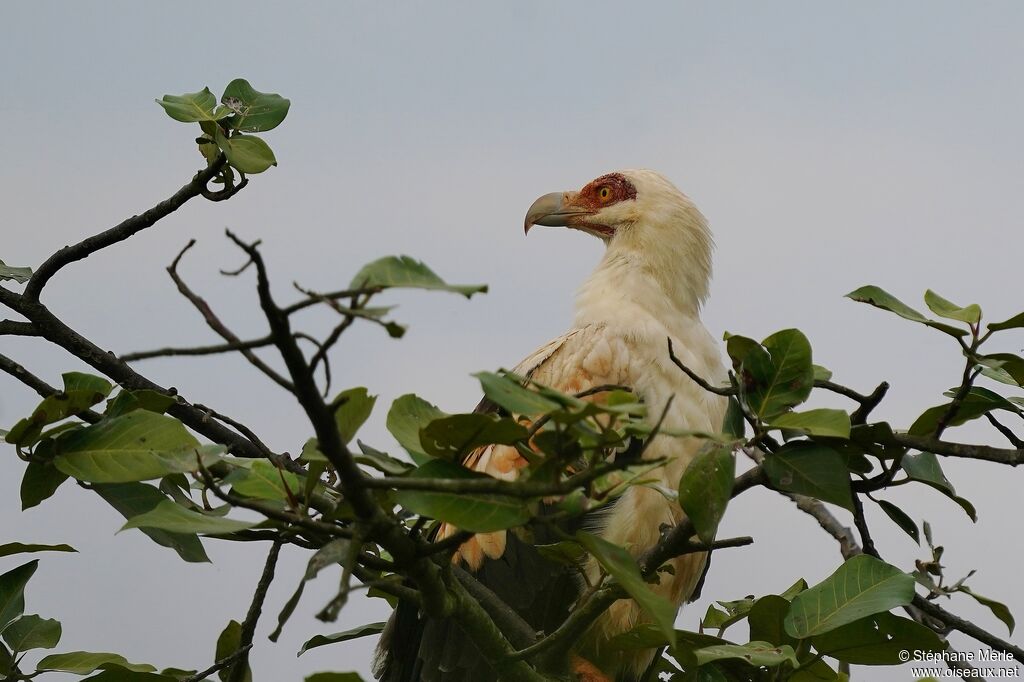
x=197, y=350
x=1005, y=430
x=122, y=231
x=219, y=665
x=237, y=673
x=319, y=298
x=219, y=327
x=968, y=628
x=14, y=328
x=698, y=379
x=947, y=449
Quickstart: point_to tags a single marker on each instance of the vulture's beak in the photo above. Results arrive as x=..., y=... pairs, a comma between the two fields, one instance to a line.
x=554, y=210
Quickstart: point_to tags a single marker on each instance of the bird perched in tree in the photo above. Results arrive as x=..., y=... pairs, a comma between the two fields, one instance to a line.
x=648, y=287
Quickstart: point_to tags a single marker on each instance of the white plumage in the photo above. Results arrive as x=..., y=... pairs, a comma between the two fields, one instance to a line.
x=648, y=287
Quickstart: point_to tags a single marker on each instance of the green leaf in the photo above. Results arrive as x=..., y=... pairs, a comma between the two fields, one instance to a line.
x=12, y=591
x=351, y=409
x=706, y=488
x=334, y=677
x=32, y=632
x=998, y=609
x=381, y=461
x=623, y=567
x=978, y=402
x=477, y=512
x=810, y=469
x=943, y=308
x=925, y=467
x=40, y=482
x=901, y=519
x=734, y=424
x=877, y=640
x=861, y=587
x=455, y=436
x=21, y=548
x=822, y=373
x=354, y=633
x=879, y=298
x=1014, y=322
x=176, y=519
x=818, y=422
x=228, y=642
x=81, y=391
x=776, y=375
x=766, y=618
x=137, y=446
x=1005, y=367
x=794, y=589
x=756, y=654
x=337, y=551
x=247, y=153
x=191, y=107
x=508, y=392
x=116, y=673
x=408, y=414
x=19, y=275
x=565, y=552
x=133, y=499
x=403, y=272
x=143, y=399
x=85, y=662
x=264, y=481
x=254, y=111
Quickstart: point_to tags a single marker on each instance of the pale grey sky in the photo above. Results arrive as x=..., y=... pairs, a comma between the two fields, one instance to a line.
x=829, y=145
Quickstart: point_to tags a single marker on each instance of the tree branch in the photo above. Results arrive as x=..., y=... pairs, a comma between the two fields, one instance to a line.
x=968, y=628
x=42, y=388
x=197, y=350
x=947, y=449
x=122, y=231
x=697, y=378
x=219, y=665
x=237, y=673
x=219, y=327
x=14, y=328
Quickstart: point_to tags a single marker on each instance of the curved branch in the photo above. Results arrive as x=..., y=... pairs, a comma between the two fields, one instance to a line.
x=696, y=377
x=122, y=231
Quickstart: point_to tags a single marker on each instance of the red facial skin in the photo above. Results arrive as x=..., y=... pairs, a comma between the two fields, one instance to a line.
x=605, y=191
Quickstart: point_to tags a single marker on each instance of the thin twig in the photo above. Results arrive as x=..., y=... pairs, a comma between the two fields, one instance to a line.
x=44, y=389
x=968, y=628
x=122, y=231
x=697, y=378
x=237, y=673
x=214, y=349
x=219, y=327
x=219, y=665
x=248, y=433
x=1005, y=430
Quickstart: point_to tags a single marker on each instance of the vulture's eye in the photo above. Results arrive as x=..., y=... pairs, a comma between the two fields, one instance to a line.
x=605, y=193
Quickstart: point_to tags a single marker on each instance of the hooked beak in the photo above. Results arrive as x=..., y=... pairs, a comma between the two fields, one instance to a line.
x=554, y=210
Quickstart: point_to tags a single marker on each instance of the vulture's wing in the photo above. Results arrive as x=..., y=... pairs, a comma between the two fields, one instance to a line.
x=417, y=649
x=584, y=358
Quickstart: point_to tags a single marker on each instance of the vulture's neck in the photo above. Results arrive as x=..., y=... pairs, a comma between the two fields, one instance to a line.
x=663, y=271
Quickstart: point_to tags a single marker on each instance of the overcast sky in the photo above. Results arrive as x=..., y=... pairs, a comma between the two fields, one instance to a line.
x=829, y=145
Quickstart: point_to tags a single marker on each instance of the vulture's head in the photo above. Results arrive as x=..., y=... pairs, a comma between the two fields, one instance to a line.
x=644, y=220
